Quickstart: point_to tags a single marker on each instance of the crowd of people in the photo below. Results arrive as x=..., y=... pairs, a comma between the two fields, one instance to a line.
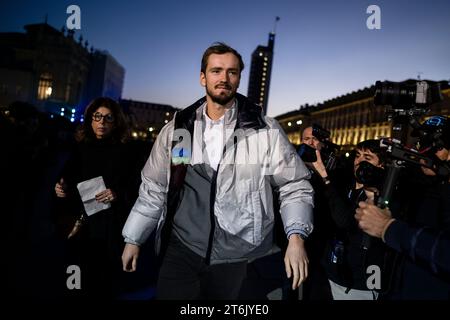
x=219, y=185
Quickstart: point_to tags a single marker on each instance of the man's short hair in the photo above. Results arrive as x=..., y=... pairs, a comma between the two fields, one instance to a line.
x=220, y=48
x=374, y=146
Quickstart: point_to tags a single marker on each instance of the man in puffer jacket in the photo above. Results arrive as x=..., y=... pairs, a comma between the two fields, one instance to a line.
x=207, y=190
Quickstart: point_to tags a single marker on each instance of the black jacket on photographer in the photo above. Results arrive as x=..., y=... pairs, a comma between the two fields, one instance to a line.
x=426, y=207
x=345, y=259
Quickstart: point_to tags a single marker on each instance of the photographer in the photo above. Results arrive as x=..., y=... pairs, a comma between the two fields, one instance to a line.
x=313, y=150
x=422, y=236
x=347, y=256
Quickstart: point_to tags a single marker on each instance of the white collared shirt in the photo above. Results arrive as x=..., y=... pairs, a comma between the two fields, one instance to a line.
x=213, y=136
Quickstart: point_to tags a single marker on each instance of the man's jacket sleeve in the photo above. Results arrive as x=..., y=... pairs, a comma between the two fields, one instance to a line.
x=145, y=214
x=291, y=178
x=429, y=246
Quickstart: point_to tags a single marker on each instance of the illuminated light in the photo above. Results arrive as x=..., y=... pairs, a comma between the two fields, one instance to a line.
x=299, y=122
x=347, y=154
x=165, y=121
x=81, y=120
x=48, y=91
x=260, y=54
x=134, y=134
x=150, y=129
x=62, y=114
x=167, y=114
x=62, y=109
x=289, y=124
x=72, y=120
x=265, y=58
x=51, y=116
x=73, y=110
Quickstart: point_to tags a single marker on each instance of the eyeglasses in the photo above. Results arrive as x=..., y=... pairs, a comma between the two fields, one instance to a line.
x=98, y=117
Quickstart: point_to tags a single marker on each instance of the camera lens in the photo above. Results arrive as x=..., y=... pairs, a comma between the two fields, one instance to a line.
x=407, y=94
x=394, y=94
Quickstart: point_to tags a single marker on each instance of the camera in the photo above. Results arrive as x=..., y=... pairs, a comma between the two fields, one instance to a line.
x=407, y=94
x=406, y=102
x=401, y=155
x=307, y=153
x=320, y=133
x=328, y=150
x=370, y=175
x=433, y=135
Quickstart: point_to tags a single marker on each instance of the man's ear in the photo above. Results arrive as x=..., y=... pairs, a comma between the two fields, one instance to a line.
x=203, y=79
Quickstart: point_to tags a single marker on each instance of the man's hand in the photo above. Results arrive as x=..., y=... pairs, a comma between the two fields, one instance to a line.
x=319, y=166
x=60, y=188
x=296, y=260
x=129, y=257
x=372, y=219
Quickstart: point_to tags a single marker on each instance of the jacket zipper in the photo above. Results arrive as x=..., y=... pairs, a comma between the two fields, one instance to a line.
x=212, y=201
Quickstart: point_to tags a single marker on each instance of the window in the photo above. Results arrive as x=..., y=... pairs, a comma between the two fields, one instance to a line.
x=45, y=86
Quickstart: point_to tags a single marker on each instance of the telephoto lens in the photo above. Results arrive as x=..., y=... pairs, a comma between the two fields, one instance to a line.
x=407, y=94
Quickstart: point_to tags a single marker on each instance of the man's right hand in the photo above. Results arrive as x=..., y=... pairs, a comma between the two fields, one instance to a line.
x=373, y=220
x=129, y=257
x=319, y=165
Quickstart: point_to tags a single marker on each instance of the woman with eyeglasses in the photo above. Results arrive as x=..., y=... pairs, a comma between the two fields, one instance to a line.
x=101, y=151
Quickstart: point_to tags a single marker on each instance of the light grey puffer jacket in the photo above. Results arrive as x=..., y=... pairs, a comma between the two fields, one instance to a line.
x=243, y=207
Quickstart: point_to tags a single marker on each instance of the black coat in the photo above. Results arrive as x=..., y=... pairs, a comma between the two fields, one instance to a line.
x=349, y=269
x=101, y=240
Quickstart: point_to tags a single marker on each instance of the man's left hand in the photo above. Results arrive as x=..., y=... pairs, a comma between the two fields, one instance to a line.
x=296, y=260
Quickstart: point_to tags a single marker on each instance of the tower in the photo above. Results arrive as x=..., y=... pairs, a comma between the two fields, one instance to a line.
x=260, y=72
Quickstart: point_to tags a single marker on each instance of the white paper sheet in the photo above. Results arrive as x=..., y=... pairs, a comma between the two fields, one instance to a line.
x=88, y=189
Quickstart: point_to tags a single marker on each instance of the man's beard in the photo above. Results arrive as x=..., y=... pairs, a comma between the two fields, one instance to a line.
x=221, y=99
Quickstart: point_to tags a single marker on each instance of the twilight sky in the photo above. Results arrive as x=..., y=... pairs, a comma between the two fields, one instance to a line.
x=323, y=49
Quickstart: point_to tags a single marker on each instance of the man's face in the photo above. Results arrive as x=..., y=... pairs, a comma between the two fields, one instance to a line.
x=365, y=155
x=221, y=78
x=309, y=139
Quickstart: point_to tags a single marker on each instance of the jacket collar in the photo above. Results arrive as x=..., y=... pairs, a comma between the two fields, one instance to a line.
x=249, y=115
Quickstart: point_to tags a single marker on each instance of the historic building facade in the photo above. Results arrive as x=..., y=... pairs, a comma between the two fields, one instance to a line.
x=351, y=118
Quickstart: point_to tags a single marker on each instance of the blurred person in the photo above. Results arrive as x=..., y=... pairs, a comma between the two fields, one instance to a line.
x=346, y=258
x=420, y=231
x=101, y=151
x=430, y=247
x=316, y=287
x=212, y=214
